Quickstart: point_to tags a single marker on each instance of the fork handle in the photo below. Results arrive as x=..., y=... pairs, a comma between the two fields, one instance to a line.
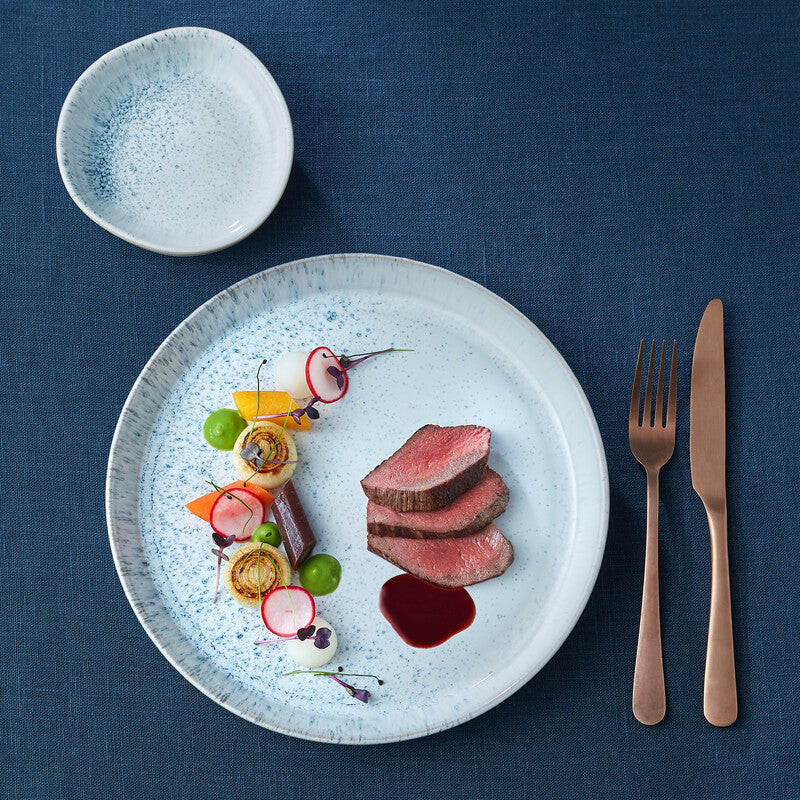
x=720, y=705
x=649, y=697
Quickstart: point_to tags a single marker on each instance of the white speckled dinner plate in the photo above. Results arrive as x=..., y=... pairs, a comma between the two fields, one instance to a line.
x=179, y=142
x=476, y=360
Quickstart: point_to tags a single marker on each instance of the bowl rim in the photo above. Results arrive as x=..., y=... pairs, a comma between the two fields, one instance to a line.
x=272, y=90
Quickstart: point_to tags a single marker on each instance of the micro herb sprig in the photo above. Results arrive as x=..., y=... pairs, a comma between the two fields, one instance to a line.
x=222, y=542
x=258, y=574
x=278, y=572
x=308, y=410
x=258, y=396
x=297, y=414
x=321, y=637
x=348, y=362
x=359, y=694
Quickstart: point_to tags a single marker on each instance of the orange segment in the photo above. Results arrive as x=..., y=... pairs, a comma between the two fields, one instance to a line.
x=269, y=403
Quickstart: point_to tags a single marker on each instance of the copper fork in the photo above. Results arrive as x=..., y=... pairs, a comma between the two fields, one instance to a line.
x=652, y=443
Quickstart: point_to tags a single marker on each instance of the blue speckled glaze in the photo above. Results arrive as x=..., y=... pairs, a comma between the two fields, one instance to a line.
x=180, y=141
x=475, y=360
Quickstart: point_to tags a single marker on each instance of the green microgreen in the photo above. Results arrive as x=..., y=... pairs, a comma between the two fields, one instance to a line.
x=279, y=572
x=258, y=397
x=359, y=694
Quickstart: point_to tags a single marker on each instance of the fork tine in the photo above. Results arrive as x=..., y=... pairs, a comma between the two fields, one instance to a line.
x=648, y=389
x=659, y=416
x=633, y=414
x=673, y=387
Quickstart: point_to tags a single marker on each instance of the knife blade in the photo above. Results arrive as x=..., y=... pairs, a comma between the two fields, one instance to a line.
x=707, y=456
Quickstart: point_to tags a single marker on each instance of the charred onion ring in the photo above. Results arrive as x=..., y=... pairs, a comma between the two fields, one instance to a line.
x=255, y=569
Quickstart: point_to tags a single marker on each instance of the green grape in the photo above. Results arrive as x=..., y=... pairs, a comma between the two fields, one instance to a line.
x=320, y=574
x=268, y=533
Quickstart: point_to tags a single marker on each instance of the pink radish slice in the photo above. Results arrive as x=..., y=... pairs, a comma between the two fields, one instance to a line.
x=229, y=517
x=286, y=609
x=319, y=380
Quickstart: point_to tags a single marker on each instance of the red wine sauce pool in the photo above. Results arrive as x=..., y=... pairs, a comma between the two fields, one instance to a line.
x=425, y=615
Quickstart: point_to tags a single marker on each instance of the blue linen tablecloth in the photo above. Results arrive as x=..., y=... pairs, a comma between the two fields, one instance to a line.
x=608, y=168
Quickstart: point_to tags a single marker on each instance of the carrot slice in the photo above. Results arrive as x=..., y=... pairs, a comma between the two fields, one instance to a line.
x=269, y=403
x=201, y=507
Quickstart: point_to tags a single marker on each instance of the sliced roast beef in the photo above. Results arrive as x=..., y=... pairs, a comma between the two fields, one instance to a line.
x=448, y=562
x=468, y=513
x=431, y=469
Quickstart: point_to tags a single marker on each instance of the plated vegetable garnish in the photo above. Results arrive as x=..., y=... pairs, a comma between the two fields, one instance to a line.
x=222, y=427
x=265, y=457
x=255, y=570
x=237, y=512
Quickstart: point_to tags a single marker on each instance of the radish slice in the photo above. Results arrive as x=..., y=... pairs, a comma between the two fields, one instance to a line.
x=229, y=516
x=320, y=381
x=286, y=609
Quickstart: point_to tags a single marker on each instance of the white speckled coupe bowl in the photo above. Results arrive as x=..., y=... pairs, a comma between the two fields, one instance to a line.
x=179, y=142
x=476, y=360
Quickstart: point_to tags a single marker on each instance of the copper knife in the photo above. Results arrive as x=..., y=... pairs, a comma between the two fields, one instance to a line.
x=707, y=453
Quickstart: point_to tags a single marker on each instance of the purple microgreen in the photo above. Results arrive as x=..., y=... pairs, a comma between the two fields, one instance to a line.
x=348, y=362
x=251, y=452
x=218, y=538
x=276, y=641
x=322, y=639
x=338, y=374
x=305, y=633
x=297, y=413
x=359, y=694
x=272, y=449
x=223, y=542
x=339, y=671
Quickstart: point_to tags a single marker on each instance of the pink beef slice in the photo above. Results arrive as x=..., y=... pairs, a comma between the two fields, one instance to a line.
x=431, y=469
x=468, y=513
x=448, y=562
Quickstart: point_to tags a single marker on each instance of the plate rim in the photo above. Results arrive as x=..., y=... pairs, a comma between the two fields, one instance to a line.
x=491, y=296
x=282, y=175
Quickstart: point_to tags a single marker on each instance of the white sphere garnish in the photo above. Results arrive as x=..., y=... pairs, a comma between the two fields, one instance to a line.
x=307, y=654
x=290, y=375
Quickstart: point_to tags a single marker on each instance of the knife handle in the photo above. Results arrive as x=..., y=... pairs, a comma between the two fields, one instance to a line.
x=649, y=699
x=719, y=692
